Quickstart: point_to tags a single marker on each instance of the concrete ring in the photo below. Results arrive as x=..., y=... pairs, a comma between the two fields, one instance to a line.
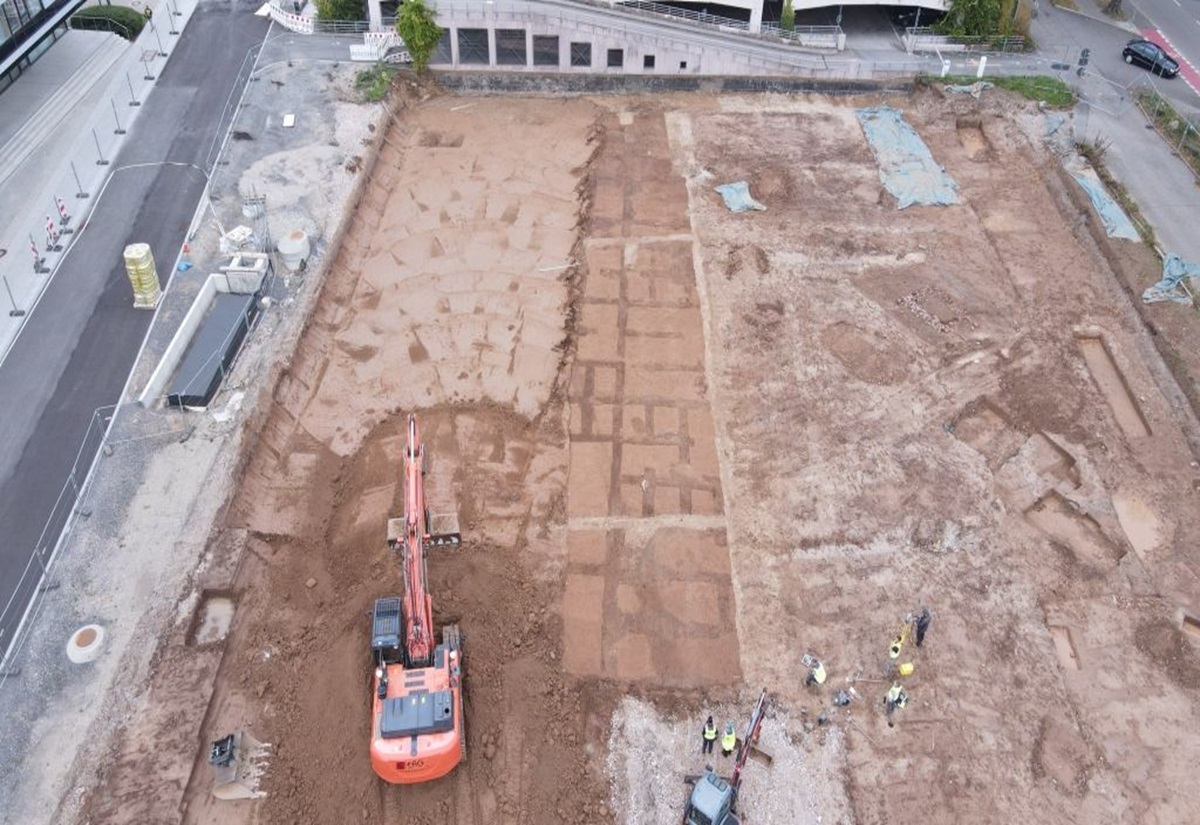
x=85, y=643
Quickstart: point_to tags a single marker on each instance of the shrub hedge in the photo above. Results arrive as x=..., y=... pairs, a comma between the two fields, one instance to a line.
x=120, y=20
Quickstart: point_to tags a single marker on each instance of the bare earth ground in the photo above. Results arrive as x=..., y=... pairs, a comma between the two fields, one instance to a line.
x=686, y=447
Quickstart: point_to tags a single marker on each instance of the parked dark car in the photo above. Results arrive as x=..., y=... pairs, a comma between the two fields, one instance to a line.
x=1150, y=55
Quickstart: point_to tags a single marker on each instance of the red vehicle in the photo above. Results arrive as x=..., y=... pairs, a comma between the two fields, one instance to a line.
x=417, y=726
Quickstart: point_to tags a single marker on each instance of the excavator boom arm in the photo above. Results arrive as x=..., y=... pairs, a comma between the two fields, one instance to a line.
x=751, y=737
x=418, y=606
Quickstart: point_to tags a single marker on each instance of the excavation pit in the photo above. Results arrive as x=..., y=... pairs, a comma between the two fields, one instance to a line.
x=1113, y=386
x=972, y=138
x=1191, y=627
x=213, y=619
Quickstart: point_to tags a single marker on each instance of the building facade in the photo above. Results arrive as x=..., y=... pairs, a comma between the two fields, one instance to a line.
x=27, y=29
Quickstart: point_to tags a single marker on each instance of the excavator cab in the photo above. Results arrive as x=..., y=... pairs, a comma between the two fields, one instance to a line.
x=711, y=802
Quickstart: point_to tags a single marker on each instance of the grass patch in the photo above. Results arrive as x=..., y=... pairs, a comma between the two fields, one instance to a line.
x=373, y=83
x=1112, y=9
x=1051, y=90
x=1042, y=88
x=1067, y=4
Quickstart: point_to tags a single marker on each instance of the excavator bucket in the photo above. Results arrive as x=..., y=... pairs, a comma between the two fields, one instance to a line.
x=239, y=762
x=443, y=530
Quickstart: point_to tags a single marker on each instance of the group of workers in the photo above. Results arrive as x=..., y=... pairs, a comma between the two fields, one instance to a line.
x=915, y=624
x=728, y=738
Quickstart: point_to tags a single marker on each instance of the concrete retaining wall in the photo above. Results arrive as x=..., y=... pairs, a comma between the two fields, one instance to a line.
x=505, y=82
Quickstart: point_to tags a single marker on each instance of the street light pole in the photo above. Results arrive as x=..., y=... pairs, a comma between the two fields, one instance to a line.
x=154, y=28
x=14, y=312
x=117, y=118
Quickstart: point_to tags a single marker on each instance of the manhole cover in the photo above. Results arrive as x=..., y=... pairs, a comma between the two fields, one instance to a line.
x=84, y=644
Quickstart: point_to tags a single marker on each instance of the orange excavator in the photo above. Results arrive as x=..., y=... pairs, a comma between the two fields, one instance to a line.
x=417, y=725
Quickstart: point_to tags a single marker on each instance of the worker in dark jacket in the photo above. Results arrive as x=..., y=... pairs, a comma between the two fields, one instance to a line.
x=710, y=736
x=923, y=624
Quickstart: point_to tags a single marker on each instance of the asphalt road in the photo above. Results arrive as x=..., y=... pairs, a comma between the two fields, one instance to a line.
x=77, y=348
x=1179, y=20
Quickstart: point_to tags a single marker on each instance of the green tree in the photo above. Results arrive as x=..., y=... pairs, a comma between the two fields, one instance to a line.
x=418, y=28
x=971, y=18
x=787, y=20
x=341, y=10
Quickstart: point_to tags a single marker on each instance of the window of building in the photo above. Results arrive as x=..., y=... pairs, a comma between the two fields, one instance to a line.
x=581, y=55
x=510, y=47
x=545, y=50
x=616, y=58
x=443, y=54
x=648, y=61
x=682, y=64
x=473, y=47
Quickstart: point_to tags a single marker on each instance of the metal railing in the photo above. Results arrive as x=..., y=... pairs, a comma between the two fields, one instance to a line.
x=662, y=10
x=1179, y=131
x=799, y=33
x=927, y=37
x=341, y=26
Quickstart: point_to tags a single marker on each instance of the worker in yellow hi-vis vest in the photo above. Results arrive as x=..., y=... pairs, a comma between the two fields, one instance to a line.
x=710, y=736
x=897, y=699
x=728, y=740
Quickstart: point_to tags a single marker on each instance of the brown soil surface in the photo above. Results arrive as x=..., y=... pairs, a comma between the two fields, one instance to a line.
x=687, y=447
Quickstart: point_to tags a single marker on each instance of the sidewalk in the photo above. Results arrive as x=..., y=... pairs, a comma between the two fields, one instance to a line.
x=66, y=110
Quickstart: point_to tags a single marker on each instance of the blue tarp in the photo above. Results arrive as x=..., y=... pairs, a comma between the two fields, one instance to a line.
x=737, y=197
x=1175, y=269
x=1116, y=222
x=906, y=167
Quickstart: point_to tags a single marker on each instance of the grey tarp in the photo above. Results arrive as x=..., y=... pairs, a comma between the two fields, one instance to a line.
x=906, y=167
x=1116, y=222
x=737, y=197
x=1175, y=270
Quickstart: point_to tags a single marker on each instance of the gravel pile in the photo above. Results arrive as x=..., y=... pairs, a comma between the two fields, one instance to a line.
x=649, y=756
